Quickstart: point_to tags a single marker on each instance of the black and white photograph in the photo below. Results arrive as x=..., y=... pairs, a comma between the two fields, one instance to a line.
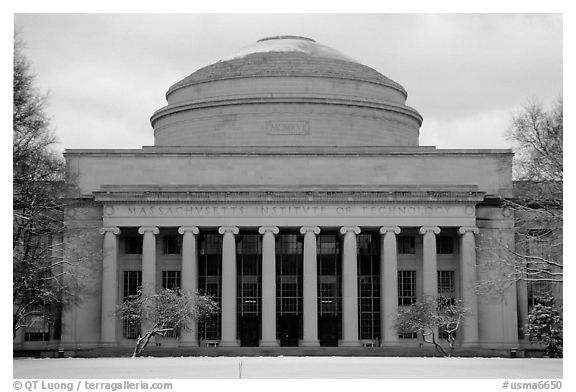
x=287, y=196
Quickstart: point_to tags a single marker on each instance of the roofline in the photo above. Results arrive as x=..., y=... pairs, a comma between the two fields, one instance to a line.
x=287, y=150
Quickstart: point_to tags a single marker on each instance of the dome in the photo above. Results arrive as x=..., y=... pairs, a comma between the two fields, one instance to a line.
x=286, y=91
x=290, y=43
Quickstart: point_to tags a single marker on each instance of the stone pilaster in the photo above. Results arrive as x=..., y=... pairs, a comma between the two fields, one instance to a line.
x=310, y=289
x=109, y=285
x=350, y=287
x=388, y=285
x=268, y=286
x=189, y=278
x=497, y=309
x=522, y=304
x=228, y=285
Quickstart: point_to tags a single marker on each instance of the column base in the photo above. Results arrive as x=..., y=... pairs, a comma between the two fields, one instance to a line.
x=229, y=343
x=310, y=343
x=269, y=343
x=348, y=343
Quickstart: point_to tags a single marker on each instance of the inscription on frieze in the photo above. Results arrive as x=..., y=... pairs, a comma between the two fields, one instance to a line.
x=282, y=128
x=171, y=210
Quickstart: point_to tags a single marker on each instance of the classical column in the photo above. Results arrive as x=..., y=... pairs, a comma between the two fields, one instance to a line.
x=268, y=286
x=189, y=278
x=388, y=286
x=228, y=338
x=148, y=259
x=350, y=287
x=148, y=266
x=109, y=285
x=429, y=261
x=310, y=289
x=468, y=283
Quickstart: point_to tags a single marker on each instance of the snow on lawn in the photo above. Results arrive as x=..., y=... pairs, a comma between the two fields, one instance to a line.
x=287, y=367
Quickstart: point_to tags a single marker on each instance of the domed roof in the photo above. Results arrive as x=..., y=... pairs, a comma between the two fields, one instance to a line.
x=286, y=91
x=287, y=55
x=290, y=43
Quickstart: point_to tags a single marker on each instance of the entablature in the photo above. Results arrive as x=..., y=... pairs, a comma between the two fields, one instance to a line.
x=266, y=195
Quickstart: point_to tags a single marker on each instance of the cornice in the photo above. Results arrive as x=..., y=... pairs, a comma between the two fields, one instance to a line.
x=248, y=100
x=213, y=151
x=469, y=197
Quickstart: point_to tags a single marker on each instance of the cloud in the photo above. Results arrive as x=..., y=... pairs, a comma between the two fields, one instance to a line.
x=485, y=130
x=107, y=73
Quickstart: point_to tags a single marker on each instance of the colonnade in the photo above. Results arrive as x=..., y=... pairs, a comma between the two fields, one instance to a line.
x=388, y=281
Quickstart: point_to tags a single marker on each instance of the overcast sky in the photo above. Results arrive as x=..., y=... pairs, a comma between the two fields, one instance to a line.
x=466, y=74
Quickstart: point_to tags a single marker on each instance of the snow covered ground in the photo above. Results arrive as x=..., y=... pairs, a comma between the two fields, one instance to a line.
x=287, y=367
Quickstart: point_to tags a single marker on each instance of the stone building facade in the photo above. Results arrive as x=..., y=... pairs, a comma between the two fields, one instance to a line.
x=287, y=181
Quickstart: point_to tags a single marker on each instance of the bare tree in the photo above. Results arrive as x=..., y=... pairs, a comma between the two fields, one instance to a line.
x=42, y=278
x=538, y=202
x=37, y=213
x=430, y=315
x=537, y=207
x=162, y=312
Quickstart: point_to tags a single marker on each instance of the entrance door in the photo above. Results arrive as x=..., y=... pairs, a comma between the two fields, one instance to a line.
x=288, y=327
x=328, y=330
x=249, y=326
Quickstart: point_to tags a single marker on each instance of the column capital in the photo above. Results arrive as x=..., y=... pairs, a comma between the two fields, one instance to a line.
x=428, y=229
x=389, y=229
x=268, y=229
x=184, y=229
x=468, y=229
x=349, y=229
x=310, y=229
x=112, y=229
x=145, y=229
x=228, y=229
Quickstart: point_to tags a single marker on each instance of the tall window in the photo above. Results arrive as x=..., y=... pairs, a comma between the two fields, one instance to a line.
x=406, y=288
x=329, y=273
x=406, y=294
x=171, y=244
x=539, y=245
x=209, y=271
x=446, y=284
x=289, y=274
x=406, y=244
x=369, y=285
x=537, y=291
x=37, y=327
x=444, y=245
x=132, y=284
x=328, y=248
x=446, y=289
x=171, y=281
x=133, y=245
x=249, y=254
